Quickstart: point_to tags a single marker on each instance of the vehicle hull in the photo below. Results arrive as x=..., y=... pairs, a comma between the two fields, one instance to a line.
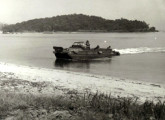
x=86, y=54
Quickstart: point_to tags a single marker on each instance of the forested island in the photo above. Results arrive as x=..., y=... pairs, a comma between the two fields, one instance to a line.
x=1, y=25
x=79, y=23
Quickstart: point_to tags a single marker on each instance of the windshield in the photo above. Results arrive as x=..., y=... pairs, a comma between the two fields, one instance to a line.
x=79, y=44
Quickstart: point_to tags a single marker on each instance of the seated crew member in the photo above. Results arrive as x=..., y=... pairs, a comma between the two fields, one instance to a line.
x=109, y=47
x=97, y=47
x=87, y=44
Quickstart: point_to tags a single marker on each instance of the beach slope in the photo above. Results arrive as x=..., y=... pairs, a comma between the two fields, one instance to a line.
x=24, y=79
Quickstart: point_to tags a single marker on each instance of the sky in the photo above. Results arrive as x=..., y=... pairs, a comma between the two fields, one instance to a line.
x=150, y=11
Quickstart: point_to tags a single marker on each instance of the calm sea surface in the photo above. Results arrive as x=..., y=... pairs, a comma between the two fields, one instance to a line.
x=142, y=54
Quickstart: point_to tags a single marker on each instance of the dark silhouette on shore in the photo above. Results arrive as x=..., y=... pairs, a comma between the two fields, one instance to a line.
x=79, y=23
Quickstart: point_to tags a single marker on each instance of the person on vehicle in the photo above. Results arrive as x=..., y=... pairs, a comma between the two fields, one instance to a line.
x=87, y=44
x=109, y=47
x=97, y=47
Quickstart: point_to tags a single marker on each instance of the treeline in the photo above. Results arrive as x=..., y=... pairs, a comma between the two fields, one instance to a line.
x=79, y=22
x=2, y=25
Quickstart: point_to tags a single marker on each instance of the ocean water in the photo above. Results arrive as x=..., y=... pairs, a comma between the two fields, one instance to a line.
x=142, y=54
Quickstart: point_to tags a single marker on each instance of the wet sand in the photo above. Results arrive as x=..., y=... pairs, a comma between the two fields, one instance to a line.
x=25, y=79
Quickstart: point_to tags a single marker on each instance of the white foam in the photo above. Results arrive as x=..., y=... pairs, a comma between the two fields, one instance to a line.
x=140, y=50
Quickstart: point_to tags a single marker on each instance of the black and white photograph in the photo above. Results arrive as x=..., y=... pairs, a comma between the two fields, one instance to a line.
x=82, y=59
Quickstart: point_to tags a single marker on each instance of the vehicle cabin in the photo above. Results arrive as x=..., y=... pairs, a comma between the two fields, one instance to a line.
x=78, y=45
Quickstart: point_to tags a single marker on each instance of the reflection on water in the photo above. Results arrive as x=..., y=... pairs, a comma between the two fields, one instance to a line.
x=35, y=49
x=83, y=64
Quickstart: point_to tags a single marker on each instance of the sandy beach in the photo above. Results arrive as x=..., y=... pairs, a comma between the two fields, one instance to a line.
x=24, y=79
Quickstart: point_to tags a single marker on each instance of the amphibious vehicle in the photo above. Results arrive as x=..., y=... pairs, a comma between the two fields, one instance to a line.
x=82, y=51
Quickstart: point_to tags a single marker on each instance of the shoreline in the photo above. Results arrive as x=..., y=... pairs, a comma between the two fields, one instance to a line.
x=74, y=32
x=24, y=79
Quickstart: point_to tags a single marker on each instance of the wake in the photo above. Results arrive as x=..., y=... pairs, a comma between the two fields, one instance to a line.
x=140, y=50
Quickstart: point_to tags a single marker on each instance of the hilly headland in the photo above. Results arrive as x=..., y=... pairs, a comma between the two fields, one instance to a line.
x=79, y=23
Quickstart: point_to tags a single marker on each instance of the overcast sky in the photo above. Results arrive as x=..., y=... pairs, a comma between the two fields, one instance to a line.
x=151, y=11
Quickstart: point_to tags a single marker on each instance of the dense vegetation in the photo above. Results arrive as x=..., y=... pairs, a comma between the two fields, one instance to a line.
x=1, y=25
x=73, y=106
x=79, y=22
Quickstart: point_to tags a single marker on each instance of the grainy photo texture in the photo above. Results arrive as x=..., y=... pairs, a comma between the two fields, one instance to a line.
x=82, y=60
